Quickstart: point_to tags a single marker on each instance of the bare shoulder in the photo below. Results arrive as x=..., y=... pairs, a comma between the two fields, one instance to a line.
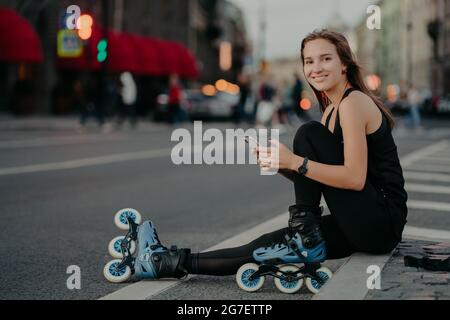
x=360, y=104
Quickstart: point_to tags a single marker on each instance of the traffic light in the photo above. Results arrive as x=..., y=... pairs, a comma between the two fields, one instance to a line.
x=84, y=26
x=102, y=52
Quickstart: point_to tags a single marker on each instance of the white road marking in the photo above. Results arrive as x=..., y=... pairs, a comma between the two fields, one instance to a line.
x=72, y=164
x=107, y=159
x=426, y=234
x=426, y=176
x=429, y=168
x=426, y=188
x=56, y=141
x=436, y=160
x=429, y=205
x=421, y=153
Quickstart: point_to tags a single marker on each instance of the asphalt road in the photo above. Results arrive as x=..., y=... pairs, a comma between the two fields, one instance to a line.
x=53, y=219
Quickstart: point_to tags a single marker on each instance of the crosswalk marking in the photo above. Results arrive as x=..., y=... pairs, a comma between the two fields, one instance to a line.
x=437, y=160
x=421, y=153
x=427, y=188
x=429, y=168
x=426, y=176
x=428, y=205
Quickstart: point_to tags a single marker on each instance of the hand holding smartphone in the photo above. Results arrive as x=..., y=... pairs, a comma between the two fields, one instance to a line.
x=252, y=142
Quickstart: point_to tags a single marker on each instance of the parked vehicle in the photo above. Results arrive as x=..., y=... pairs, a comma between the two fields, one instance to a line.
x=200, y=106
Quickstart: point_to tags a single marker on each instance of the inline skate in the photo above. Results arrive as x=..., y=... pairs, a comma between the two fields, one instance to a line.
x=303, y=244
x=153, y=260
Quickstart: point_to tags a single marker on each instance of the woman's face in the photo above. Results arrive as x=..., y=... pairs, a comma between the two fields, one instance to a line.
x=322, y=65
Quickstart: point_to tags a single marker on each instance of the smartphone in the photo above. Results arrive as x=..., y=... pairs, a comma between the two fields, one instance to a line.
x=249, y=139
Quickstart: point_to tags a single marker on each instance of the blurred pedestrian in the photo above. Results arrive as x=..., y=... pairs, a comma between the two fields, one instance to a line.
x=92, y=106
x=244, y=91
x=414, y=99
x=175, y=111
x=127, y=100
x=266, y=107
x=285, y=111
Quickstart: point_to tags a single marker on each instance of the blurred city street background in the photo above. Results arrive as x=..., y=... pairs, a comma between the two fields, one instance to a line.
x=89, y=100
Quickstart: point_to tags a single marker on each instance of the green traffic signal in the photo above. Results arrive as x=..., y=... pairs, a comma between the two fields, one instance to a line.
x=102, y=50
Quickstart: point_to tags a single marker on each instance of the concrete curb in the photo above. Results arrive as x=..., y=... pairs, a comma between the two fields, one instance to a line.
x=350, y=282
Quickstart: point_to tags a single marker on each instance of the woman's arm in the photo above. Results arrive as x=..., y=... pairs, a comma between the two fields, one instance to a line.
x=351, y=175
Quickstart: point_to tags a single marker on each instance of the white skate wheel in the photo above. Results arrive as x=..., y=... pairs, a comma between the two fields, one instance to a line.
x=313, y=285
x=242, y=278
x=285, y=286
x=114, y=247
x=113, y=275
x=120, y=218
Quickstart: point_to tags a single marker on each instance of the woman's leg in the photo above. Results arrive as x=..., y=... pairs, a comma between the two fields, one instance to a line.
x=227, y=261
x=359, y=220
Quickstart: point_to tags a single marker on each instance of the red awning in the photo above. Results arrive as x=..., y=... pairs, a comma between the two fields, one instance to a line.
x=136, y=54
x=169, y=57
x=18, y=40
x=177, y=59
x=120, y=50
x=122, y=53
x=148, y=57
x=187, y=66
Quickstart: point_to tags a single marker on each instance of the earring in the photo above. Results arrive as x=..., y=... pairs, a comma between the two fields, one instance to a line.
x=344, y=71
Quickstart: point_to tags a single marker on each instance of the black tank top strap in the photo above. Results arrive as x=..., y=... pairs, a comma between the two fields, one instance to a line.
x=347, y=92
x=337, y=123
x=327, y=121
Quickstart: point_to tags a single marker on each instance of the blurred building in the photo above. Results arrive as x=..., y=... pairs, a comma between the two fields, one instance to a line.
x=201, y=26
x=403, y=50
x=439, y=30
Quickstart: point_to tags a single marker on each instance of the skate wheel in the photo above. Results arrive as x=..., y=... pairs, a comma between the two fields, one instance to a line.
x=120, y=219
x=114, y=247
x=112, y=274
x=313, y=285
x=243, y=275
x=288, y=286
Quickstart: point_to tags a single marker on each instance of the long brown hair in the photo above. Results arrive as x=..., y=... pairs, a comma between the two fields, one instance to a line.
x=354, y=74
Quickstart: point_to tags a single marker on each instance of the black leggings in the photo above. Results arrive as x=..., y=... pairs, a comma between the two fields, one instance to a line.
x=358, y=222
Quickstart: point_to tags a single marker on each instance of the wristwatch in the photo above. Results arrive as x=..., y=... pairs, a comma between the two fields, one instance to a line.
x=303, y=169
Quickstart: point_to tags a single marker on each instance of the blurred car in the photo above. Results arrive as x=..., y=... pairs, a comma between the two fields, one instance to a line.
x=199, y=106
x=399, y=106
x=219, y=106
x=161, y=112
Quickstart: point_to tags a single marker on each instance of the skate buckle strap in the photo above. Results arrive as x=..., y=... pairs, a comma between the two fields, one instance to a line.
x=293, y=245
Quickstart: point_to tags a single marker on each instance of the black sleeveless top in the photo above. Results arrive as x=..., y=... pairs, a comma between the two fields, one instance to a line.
x=383, y=169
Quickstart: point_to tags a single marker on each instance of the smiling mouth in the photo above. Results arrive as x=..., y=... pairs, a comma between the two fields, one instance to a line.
x=319, y=78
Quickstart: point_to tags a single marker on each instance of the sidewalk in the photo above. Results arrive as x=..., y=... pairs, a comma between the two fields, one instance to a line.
x=63, y=123
x=399, y=281
x=8, y=122
x=402, y=275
